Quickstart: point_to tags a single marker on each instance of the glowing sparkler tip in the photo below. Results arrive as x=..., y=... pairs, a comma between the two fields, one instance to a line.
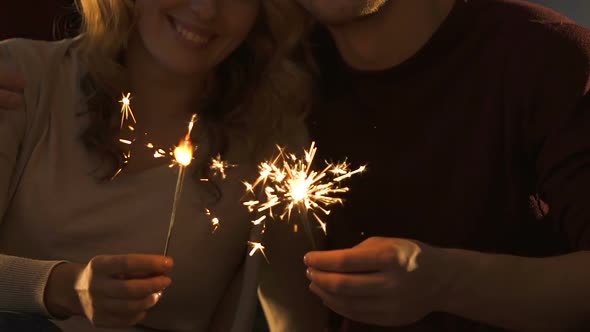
x=183, y=153
x=126, y=100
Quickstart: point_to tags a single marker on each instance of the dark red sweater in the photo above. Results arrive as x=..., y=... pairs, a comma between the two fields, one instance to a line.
x=492, y=111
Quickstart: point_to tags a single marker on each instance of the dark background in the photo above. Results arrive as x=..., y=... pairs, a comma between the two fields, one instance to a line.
x=578, y=10
x=44, y=19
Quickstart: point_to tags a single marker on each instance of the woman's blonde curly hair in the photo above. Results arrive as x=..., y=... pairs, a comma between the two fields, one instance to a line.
x=255, y=93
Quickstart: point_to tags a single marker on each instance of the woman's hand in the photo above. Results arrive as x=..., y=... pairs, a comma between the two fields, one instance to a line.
x=111, y=291
x=11, y=86
x=382, y=281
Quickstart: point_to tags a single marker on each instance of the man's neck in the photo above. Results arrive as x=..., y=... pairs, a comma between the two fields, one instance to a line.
x=392, y=35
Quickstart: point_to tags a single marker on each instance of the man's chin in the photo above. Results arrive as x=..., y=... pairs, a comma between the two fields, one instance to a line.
x=342, y=12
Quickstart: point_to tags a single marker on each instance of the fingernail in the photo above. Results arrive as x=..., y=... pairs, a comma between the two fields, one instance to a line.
x=168, y=262
x=308, y=273
x=305, y=259
x=156, y=297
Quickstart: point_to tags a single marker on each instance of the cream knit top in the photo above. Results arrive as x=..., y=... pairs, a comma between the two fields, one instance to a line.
x=53, y=209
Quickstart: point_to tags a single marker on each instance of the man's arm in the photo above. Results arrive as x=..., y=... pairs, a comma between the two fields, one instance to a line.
x=533, y=293
x=522, y=294
x=394, y=282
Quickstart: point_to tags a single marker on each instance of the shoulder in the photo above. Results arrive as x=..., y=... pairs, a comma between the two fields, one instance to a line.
x=539, y=50
x=52, y=73
x=36, y=55
x=40, y=62
x=544, y=59
x=44, y=64
x=530, y=30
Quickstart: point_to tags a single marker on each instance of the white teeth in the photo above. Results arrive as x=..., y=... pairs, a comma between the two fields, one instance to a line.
x=191, y=36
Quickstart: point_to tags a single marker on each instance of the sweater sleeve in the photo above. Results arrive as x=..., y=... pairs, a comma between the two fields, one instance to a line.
x=564, y=173
x=22, y=280
x=560, y=130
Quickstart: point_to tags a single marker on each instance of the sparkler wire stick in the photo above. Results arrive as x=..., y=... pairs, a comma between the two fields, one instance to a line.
x=308, y=230
x=183, y=155
x=177, y=193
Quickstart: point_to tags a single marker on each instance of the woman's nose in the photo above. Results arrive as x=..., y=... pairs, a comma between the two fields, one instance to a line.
x=206, y=10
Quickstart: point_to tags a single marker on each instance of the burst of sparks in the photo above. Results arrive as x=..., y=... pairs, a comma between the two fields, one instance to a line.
x=126, y=157
x=257, y=246
x=290, y=182
x=126, y=112
x=159, y=153
x=219, y=166
x=259, y=220
x=214, y=220
x=215, y=223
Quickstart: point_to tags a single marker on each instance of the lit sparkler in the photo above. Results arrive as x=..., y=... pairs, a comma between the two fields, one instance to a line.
x=289, y=182
x=126, y=114
x=183, y=156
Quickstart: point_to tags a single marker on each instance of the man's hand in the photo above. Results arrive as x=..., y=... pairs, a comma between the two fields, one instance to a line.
x=11, y=86
x=382, y=281
x=111, y=291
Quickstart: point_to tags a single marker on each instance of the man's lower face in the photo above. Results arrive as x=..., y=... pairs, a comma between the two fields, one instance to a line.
x=342, y=11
